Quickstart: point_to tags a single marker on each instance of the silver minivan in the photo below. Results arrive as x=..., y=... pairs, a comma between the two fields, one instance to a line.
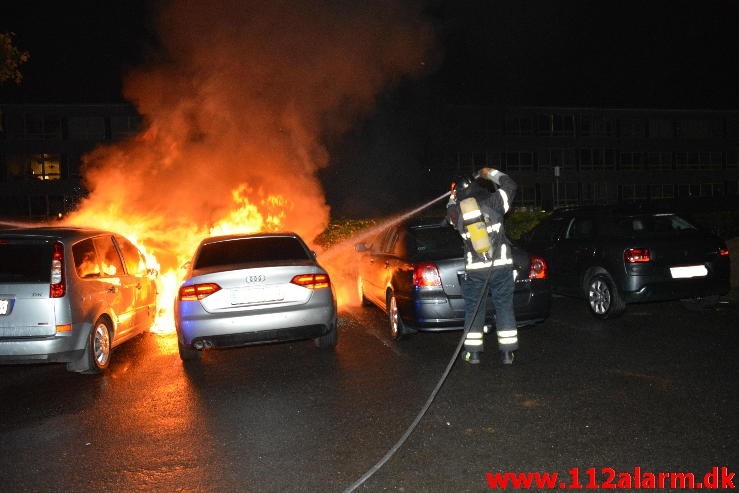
x=70, y=295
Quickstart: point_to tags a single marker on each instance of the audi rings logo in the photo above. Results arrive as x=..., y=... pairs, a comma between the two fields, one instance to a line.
x=259, y=278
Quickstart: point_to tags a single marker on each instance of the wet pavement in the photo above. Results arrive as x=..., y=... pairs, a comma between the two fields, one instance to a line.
x=655, y=389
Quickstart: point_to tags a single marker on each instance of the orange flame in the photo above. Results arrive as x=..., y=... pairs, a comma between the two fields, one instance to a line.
x=245, y=218
x=236, y=117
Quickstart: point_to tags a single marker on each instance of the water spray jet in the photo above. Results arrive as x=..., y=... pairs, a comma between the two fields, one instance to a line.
x=341, y=246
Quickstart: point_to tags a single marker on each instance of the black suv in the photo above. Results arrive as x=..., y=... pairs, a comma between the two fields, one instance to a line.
x=615, y=256
x=413, y=270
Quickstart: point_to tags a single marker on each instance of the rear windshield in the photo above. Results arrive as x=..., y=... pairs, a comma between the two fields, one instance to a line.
x=24, y=262
x=247, y=250
x=652, y=224
x=435, y=243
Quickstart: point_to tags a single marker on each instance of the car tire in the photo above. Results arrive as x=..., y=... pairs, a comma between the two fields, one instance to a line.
x=187, y=353
x=329, y=339
x=360, y=290
x=603, y=298
x=96, y=357
x=395, y=322
x=700, y=304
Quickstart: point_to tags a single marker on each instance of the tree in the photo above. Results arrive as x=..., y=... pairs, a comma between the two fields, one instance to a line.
x=11, y=58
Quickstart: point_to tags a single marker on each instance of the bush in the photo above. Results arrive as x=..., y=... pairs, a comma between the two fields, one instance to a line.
x=517, y=222
x=520, y=221
x=338, y=231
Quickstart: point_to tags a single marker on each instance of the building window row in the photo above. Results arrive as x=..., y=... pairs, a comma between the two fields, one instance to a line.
x=37, y=167
x=554, y=124
x=31, y=126
x=597, y=159
x=602, y=192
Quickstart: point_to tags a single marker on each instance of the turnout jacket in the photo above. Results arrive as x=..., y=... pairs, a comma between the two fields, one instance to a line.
x=493, y=205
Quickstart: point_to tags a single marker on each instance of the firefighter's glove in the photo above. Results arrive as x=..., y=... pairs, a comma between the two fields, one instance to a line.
x=490, y=174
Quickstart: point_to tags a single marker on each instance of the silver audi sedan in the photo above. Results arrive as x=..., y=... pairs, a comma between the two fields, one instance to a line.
x=250, y=289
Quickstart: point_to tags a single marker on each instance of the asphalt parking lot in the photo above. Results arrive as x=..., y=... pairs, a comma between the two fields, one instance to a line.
x=655, y=388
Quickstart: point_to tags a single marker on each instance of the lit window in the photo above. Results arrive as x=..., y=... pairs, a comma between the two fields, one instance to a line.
x=46, y=167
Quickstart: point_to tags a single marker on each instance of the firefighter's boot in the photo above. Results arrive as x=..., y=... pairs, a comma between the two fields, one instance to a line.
x=507, y=357
x=473, y=347
x=471, y=357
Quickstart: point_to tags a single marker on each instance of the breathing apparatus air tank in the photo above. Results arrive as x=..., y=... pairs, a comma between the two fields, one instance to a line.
x=474, y=225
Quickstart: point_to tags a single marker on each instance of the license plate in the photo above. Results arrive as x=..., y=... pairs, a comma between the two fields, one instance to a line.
x=4, y=307
x=256, y=295
x=688, y=271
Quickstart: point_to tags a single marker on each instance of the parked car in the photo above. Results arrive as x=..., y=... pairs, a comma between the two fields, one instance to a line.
x=257, y=288
x=613, y=256
x=413, y=272
x=70, y=295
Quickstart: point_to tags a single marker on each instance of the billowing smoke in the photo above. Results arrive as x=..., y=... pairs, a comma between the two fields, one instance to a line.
x=237, y=107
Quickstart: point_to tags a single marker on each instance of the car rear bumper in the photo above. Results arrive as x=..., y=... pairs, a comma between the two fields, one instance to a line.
x=227, y=330
x=260, y=337
x=40, y=350
x=677, y=289
x=534, y=308
x=530, y=307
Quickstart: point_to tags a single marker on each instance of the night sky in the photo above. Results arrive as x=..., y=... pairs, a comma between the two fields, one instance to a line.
x=644, y=54
x=676, y=54
x=522, y=52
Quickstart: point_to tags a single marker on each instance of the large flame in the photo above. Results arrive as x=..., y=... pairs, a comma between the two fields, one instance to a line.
x=236, y=108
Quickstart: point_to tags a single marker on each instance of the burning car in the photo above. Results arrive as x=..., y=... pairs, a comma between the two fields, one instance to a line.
x=70, y=295
x=254, y=288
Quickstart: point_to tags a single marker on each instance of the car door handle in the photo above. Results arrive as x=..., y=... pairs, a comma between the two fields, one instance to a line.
x=113, y=289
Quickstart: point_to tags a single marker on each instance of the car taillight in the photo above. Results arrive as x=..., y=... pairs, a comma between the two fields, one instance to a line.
x=426, y=275
x=197, y=292
x=637, y=255
x=312, y=281
x=723, y=250
x=537, y=268
x=58, y=286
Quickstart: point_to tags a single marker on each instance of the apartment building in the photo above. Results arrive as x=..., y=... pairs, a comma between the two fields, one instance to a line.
x=558, y=155
x=41, y=149
x=566, y=156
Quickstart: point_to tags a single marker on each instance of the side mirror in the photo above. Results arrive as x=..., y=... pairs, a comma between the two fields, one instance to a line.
x=361, y=247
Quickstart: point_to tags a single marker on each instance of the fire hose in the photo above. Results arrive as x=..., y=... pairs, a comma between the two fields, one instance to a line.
x=431, y=397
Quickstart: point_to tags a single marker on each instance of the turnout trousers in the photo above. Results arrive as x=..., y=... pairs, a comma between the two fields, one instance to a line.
x=500, y=288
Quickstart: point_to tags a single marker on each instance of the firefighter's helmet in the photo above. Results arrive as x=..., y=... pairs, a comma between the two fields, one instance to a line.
x=460, y=182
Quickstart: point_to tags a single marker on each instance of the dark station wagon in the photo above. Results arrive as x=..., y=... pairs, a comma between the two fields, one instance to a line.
x=413, y=271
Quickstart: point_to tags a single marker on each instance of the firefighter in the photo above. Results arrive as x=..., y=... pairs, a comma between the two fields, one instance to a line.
x=476, y=208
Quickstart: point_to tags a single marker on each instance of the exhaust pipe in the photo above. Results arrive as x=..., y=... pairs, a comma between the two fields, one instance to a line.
x=201, y=344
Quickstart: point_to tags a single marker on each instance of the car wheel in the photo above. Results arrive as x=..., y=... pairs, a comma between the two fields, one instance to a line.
x=395, y=322
x=187, y=353
x=330, y=339
x=700, y=304
x=96, y=357
x=603, y=297
x=360, y=290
